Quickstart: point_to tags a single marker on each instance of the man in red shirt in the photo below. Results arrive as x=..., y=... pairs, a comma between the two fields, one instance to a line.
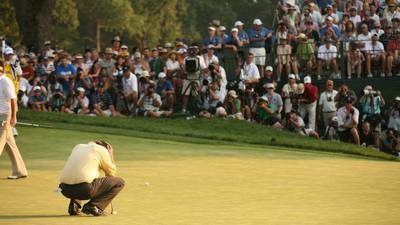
x=308, y=103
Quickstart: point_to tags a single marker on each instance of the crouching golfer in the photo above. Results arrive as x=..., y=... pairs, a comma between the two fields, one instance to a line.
x=80, y=179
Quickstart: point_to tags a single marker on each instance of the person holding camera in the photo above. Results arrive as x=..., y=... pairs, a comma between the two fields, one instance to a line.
x=371, y=103
x=150, y=103
x=394, y=115
x=264, y=113
x=327, y=106
x=233, y=105
x=212, y=101
x=348, y=116
x=166, y=90
x=295, y=123
x=343, y=94
x=79, y=103
x=57, y=101
x=289, y=90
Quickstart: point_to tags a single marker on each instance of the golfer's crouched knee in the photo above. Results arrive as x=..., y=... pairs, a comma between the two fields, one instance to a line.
x=119, y=183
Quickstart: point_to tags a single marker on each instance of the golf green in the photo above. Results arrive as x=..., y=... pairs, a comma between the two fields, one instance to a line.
x=175, y=183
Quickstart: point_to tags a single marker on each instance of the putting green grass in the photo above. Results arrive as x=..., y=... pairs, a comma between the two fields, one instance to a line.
x=175, y=183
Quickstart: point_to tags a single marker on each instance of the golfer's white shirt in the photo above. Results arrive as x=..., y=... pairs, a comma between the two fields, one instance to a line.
x=7, y=92
x=86, y=163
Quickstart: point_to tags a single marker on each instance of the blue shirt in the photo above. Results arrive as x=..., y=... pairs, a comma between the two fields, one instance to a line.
x=254, y=34
x=323, y=3
x=34, y=99
x=231, y=41
x=65, y=71
x=243, y=36
x=166, y=86
x=335, y=28
x=213, y=41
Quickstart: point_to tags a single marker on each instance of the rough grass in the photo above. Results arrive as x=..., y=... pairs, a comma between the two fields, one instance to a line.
x=197, y=131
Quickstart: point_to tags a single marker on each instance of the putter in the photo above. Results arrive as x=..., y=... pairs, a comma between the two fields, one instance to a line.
x=33, y=125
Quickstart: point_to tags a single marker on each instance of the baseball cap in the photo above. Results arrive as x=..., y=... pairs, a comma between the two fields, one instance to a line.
x=211, y=28
x=334, y=119
x=348, y=99
x=269, y=86
x=328, y=7
x=257, y=22
x=37, y=88
x=238, y=23
x=181, y=51
x=78, y=56
x=232, y=93
x=162, y=75
x=397, y=98
x=307, y=80
x=222, y=28
x=329, y=18
x=124, y=47
x=145, y=73
x=292, y=76
x=364, y=26
x=264, y=98
x=109, y=51
x=8, y=51
x=80, y=89
x=234, y=30
x=47, y=43
x=210, y=46
x=168, y=45
x=269, y=68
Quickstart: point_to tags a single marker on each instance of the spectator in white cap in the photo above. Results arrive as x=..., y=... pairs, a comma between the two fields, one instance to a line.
x=308, y=102
x=38, y=100
x=264, y=112
x=331, y=13
x=329, y=25
x=268, y=78
x=233, y=105
x=222, y=36
x=166, y=90
x=258, y=36
x=212, y=38
x=354, y=17
x=139, y=65
x=233, y=41
x=124, y=51
x=289, y=90
x=79, y=103
x=47, y=50
x=243, y=37
x=274, y=99
x=296, y=124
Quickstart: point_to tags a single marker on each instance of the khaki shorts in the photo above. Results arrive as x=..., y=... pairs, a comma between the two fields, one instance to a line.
x=259, y=56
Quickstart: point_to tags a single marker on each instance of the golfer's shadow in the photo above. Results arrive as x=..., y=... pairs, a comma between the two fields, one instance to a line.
x=16, y=217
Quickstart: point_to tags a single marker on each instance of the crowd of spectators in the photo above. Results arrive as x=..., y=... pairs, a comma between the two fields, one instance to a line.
x=163, y=81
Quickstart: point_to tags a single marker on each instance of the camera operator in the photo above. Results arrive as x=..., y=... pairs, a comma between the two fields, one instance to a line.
x=343, y=94
x=249, y=100
x=265, y=113
x=79, y=103
x=149, y=104
x=394, y=115
x=296, y=124
x=211, y=101
x=192, y=68
x=348, y=122
x=57, y=101
x=218, y=74
x=371, y=103
x=82, y=80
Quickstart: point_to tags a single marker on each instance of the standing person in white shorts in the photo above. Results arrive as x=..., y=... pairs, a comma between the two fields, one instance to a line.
x=8, y=119
x=257, y=36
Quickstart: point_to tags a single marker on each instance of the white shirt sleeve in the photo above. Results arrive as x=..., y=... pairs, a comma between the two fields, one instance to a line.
x=134, y=83
x=9, y=89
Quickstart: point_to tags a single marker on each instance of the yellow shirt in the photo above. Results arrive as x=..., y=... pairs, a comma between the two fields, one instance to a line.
x=86, y=163
x=9, y=74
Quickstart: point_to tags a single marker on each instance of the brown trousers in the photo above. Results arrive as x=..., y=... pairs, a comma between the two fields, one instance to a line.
x=7, y=142
x=100, y=192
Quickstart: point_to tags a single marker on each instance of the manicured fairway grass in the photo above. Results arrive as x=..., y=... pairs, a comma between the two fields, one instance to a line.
x=176, y=183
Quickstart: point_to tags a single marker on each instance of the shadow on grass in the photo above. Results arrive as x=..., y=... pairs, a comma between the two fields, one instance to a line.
x=16, y=217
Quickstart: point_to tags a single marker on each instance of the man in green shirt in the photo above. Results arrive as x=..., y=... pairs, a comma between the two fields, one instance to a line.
x=264, y=113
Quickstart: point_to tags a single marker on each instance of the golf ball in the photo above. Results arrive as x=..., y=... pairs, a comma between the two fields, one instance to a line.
x=146, y=183
x=114, y=212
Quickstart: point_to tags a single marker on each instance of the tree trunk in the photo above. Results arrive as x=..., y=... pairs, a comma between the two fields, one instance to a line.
x=34, y=21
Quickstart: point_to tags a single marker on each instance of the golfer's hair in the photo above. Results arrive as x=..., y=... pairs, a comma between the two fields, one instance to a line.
x=102, y=143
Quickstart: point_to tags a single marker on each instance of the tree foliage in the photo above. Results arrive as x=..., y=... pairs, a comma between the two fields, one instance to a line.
x=74, y=23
